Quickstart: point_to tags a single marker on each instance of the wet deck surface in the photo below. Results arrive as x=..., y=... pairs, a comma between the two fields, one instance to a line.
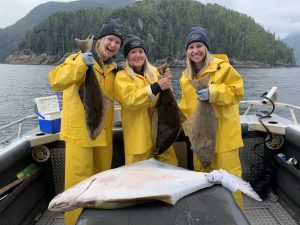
x=268, y=212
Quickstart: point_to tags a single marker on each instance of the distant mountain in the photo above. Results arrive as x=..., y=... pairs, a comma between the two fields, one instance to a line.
x=293, y=42
x=11, y=36
x=163, y=25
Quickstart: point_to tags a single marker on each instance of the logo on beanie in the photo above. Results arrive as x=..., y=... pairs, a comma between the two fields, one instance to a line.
x=117, y=31
x=135, y=43
x=195, y=37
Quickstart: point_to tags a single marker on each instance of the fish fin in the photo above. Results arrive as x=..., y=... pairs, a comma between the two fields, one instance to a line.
x=202, y=83
x=90, y=41
x=81, y=44
x=161, y=69
x=85, y=45
x=230, y=180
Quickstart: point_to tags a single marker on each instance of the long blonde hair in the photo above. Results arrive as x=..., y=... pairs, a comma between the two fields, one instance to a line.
x=190, y=67
x=148, y=69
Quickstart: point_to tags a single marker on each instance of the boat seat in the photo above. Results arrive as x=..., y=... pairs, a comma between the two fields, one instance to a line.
x=214, y=205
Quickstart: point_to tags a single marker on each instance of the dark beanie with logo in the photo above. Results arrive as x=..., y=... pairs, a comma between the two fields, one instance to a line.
x=197, y=34
x=132, y=42
x=111, y=27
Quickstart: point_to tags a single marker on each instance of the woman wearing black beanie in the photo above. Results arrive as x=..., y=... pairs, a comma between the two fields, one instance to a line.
x=137, y=87
x=86, y=156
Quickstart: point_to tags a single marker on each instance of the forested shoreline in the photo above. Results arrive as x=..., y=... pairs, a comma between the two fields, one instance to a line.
x=162, y=24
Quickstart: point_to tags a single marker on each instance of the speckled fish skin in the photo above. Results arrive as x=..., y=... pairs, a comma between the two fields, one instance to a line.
x=169, y=119
x=141, y=182
x=91, y=95
x=201, y=127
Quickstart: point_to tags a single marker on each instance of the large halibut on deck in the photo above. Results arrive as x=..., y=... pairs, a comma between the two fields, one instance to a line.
x=201, y=127
x=91, y=95
x=141, y=182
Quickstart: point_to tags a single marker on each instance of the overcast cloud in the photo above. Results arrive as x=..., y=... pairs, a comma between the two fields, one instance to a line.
x=277, y=16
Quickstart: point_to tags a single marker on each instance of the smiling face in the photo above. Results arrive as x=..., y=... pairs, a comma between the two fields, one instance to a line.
x=136, y=58
x=196, y=52
x=108, y=46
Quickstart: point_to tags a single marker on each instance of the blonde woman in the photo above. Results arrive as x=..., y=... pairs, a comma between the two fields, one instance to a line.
x=137, y=87
x=86, y=157
x=224, y=91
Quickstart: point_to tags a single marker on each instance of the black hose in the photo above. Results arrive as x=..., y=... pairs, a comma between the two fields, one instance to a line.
x=262, y=181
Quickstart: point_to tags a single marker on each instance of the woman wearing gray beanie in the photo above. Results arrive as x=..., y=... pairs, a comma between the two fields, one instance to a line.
x=209, y=81
x=85, y=156
x=137, y=87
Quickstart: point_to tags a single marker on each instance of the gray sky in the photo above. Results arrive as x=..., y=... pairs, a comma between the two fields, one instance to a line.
x=277, y=16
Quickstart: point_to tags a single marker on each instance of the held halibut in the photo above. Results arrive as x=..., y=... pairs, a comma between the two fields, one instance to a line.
x=201, y=127
x=141, y=182
x=91, y=95
x=168, y=119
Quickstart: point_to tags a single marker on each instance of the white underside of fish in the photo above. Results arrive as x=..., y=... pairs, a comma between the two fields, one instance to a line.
x=133, y=184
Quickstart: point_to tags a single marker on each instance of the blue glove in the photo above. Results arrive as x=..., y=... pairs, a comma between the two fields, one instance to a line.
x=88, y=58
x=203, y=94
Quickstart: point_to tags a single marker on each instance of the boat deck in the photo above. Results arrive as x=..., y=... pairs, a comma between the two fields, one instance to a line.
x=267, y=212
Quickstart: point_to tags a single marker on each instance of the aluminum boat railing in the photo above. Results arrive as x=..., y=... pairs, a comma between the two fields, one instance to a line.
x=19, y=124
x=290, y=107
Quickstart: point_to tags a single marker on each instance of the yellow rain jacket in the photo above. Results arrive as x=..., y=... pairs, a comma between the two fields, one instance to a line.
x=133, y=96
x=68, y=77
x=225, y=91
x=136, y=99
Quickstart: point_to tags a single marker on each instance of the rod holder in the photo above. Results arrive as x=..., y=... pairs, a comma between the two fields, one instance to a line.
x=272, y=94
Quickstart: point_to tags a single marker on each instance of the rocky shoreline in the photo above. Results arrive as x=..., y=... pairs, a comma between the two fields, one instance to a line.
x=27, y=57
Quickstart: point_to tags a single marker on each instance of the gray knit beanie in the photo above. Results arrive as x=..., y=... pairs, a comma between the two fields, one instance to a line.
x=197, y=34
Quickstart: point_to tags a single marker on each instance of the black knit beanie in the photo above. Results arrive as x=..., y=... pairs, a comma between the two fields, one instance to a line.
x=197, y=34
x=111, y=27
x=132, y=42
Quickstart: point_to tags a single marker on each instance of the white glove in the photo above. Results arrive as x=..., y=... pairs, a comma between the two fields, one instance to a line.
x=203, y=94
x=88, y=58
x=222, y=177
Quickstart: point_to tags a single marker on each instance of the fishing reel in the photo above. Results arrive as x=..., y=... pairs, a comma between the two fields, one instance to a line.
x=275, y=142
x=40, y=153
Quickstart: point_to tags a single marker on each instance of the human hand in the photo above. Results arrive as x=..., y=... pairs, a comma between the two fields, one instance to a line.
x=88, y=58
x=164, y=83
x=203, y=94
x=167, y=73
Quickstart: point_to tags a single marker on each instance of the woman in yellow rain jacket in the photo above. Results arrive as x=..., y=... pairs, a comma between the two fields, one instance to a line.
x=86, y=157
x=225, y=90
x=136, y=88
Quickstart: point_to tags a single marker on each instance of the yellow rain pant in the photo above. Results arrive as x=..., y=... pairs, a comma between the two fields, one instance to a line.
x=169, y=156
x=81, y=163
x=229, y=161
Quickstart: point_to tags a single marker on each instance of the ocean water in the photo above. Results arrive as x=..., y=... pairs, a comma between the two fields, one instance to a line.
x=20, y=84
